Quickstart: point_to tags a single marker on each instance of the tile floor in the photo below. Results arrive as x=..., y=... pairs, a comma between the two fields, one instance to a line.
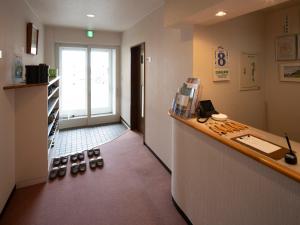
x=76, y=140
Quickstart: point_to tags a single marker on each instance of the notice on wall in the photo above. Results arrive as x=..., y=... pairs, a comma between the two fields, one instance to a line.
x=221, y=70
x=249, y=76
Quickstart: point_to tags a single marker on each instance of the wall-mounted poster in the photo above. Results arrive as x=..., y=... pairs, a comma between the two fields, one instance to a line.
x=249, y=76
x=290, y=72
x=220, y=70
x=286, y=47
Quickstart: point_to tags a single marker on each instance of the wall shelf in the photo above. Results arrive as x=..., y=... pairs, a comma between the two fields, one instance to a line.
x=22, y=85
x=53, y=93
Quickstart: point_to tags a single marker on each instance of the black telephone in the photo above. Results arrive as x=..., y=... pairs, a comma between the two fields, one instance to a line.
x=204, y=110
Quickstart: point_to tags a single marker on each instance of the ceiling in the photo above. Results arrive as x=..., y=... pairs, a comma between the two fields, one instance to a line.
x=114, y=15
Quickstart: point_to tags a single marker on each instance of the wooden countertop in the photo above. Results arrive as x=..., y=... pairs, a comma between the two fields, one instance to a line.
x=292, y=171
x=22, y=85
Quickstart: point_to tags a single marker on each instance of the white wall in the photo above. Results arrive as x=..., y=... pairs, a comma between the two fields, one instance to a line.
x=14, y=15
x=171, y=53
x=282, y=97
x=244, y=34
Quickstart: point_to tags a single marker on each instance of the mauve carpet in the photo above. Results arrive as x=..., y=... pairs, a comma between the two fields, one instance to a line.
x=132, y=188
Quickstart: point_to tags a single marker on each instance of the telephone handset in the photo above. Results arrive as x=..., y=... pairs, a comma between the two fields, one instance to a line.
x=204, y=111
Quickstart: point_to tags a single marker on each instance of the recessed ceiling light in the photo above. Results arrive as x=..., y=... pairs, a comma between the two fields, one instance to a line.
x=90, y=15
x=221, y=13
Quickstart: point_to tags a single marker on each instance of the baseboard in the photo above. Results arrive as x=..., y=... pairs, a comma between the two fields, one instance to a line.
x=187, y=220
x=26, y=183
x=156, y=156
x=8, y=200
x=124, y=122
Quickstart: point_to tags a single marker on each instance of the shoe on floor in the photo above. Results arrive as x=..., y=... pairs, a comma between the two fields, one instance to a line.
x=96, y=152
x=62, y=171
x=80, y=156
x=56, y=162
x=93, y=163
x=53, y=173
x=99, y=161
x=74, y=168
x=64, y=160
x=74, y=158
x=82, y=166
x=90, y=153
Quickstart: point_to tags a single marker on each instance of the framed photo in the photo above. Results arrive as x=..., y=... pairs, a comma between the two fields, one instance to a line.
x=32, y=39
x=286, y=47
x=290, y=72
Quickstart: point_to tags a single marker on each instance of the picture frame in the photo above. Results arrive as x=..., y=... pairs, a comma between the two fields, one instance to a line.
x=286, y=47
x=290, y=72
x=249, y=72
x=32, y=39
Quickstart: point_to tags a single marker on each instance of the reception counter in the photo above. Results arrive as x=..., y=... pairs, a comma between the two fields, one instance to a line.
x=216, y=180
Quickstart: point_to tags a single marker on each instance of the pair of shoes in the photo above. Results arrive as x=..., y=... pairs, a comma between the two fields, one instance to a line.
x=78, y=167
x=77, y=156
x=63, y=160
x=93, y=152
x=96, y=162
x=57, y=171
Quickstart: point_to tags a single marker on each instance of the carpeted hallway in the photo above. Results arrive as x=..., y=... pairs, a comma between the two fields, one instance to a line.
x=133, y=188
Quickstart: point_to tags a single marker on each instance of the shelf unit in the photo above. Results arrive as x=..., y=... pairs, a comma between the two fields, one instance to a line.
x=53, y=111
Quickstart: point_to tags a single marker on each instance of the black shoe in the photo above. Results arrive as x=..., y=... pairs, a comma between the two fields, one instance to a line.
x=82, y=166
x=97, y=152
x=53, y=173
x=64, y=160
x=62, y=171
x=74, y=168
x=99, y=161
x=56, y=162
x=74, y=158
x=90, y=153
x=93, y=163
x=80, y=156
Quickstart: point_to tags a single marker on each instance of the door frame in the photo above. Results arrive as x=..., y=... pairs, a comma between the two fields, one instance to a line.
x=142, y=44
x=90, y=120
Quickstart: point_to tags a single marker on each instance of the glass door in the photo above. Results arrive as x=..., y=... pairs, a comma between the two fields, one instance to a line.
x=87, y=85
x=73, y=71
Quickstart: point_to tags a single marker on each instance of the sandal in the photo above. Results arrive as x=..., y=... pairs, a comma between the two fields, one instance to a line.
x=74, y=158
x=93, y=163
x=97, y=152
x=62, y=171
x=56, y=162
x=90, y=153
x=80, y=156
x=64, y=160
x=74, y=168
x=53, y=173
x=82, y=166
x=99, y=161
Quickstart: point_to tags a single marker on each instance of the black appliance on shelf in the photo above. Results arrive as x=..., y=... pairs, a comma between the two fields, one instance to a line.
x=36, y=74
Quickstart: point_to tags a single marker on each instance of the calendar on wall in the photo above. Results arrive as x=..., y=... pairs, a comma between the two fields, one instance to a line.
x=221, y=70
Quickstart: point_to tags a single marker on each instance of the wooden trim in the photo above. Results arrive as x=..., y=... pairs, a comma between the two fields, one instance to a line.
x=276, y=165
x=180, y=211
x=124, y=122
x=22, y=85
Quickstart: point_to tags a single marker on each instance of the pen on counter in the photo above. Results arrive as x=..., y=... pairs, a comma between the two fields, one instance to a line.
x=288, y=142
x=290, y=157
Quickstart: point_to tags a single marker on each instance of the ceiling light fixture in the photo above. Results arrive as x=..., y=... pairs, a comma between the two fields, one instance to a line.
x=90, y=15
x=221, y=13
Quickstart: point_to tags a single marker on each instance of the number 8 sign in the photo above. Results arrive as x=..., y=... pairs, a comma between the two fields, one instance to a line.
x=221, y=57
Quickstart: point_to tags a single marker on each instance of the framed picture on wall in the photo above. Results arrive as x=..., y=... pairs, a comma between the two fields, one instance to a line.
x=32, y=39
x=249, y=75
x=286, y=47
x=290, y=72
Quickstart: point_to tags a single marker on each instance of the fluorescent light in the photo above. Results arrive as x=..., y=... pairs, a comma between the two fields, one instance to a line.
x=90, y=15
x=221, y=13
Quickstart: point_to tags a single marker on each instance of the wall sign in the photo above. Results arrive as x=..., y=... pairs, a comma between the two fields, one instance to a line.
x=249, y=79
x=221, y=71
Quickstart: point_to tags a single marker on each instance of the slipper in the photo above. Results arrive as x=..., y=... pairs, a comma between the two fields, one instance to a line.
x=82, y=166
x=93, y=163
x=99, y=161
x=97, y=152
x=56, y=162
x=64, y=160
x=74, y=157
x=80, y=156
x=53, y=173
x=62, y=171
x=74, y=168
x=90, y=153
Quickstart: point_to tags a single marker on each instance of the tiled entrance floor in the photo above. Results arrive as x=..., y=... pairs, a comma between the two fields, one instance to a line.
x=80, y=139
